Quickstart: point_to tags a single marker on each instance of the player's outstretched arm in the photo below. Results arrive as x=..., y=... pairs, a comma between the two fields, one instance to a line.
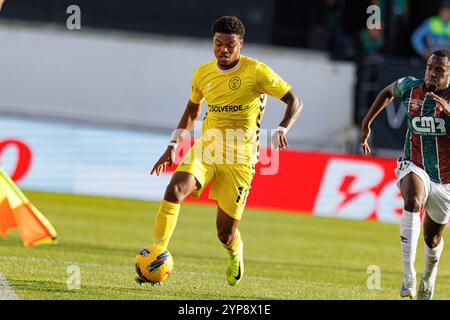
x=185, y=125
x=293, y=110
x=382, y=100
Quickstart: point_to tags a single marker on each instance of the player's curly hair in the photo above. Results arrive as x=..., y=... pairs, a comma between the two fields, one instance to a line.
x=229, y=25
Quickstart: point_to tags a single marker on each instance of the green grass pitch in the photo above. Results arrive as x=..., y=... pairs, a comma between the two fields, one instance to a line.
x=287, y=256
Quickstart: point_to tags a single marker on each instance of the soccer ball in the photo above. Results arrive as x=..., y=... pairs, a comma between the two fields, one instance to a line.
x=153, y=264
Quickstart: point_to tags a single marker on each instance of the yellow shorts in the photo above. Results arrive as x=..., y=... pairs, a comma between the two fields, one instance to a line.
x=231, y=182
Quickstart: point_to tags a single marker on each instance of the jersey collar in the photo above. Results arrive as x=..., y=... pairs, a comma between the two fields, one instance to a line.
x=439, y=93
x=236, y=67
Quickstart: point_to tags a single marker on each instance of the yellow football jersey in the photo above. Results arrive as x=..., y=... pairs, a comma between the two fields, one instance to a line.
x=236, y=101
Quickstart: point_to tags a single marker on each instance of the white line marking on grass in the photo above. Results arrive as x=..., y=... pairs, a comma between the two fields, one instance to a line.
x=44, y=260
x=196, y=273
x=6, y=292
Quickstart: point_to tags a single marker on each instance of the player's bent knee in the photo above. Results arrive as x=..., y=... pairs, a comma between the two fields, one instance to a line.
x=174, y=193
x=412, y=204
x=432, y=242
x=225, y=237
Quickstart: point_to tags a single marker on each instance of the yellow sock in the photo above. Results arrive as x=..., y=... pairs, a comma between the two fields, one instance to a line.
x=234, y=246
x=165, y=223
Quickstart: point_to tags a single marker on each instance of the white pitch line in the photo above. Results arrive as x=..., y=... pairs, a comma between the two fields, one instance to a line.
x=6, y=292
x=194, y=273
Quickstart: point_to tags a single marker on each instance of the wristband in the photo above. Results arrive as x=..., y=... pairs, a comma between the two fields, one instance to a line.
x=282, y=129
x=173, y=144
x=176, y=134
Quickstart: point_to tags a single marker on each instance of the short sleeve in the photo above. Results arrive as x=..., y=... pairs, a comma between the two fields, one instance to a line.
x=267, y=81
x=401, y=86
x=196, y=95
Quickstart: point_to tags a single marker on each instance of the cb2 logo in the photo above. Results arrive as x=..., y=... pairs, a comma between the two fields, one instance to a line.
x=24, y=156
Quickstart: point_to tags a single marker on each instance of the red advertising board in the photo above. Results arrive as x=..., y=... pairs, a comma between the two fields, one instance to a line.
x=23, y=159
x=323, y=184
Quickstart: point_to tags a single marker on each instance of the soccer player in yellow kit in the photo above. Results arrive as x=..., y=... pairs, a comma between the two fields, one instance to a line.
x=235, y=88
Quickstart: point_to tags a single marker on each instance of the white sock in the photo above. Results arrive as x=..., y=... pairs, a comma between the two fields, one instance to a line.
x=409, y=236
x=432, y=256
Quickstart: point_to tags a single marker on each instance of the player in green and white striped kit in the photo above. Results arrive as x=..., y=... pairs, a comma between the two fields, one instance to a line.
x=424, y=172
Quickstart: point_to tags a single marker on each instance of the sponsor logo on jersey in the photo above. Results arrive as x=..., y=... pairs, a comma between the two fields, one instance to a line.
x=429, y=126
x=237, y=108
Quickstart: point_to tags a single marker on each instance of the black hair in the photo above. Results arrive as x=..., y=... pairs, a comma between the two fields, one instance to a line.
x=442, y=53
x=444, y=4
x=229, y=25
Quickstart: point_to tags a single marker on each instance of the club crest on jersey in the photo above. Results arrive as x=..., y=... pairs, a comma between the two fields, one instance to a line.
x=429, y=126
x=234, y=83
x=415, y=105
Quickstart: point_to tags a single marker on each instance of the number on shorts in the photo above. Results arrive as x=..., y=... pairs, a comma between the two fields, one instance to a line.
x=242, y=192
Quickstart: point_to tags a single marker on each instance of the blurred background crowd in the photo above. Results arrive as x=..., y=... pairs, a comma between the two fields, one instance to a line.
x=409, y=28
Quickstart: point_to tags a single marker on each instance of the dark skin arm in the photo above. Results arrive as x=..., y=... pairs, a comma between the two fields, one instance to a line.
x=382, y=101
x=293, y=110
x=190, y=115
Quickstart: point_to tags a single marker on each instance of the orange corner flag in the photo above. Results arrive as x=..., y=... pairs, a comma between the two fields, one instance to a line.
x=16, y=211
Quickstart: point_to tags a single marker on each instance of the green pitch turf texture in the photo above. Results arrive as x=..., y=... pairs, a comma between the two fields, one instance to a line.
x=287, y=256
